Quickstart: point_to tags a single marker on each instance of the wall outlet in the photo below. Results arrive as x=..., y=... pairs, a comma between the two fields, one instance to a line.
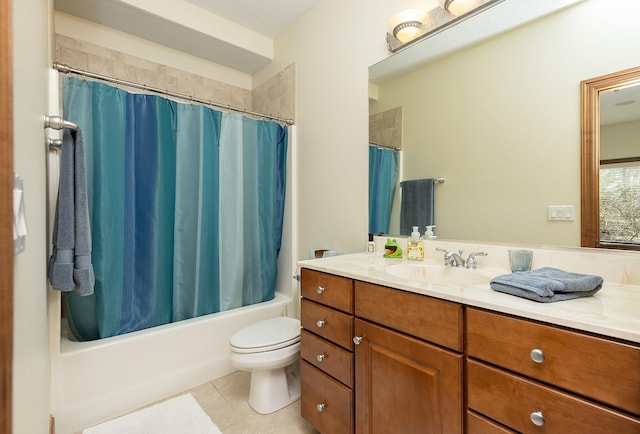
x=562, y=212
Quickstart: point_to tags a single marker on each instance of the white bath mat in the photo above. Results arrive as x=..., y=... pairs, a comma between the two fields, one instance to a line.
x=181, y=415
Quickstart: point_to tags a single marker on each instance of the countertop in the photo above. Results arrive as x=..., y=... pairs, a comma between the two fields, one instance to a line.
x=614, y=311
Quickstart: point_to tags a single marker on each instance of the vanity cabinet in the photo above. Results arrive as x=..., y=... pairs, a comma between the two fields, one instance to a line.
x=326, y=351
x=406, y=380
x=533, y=377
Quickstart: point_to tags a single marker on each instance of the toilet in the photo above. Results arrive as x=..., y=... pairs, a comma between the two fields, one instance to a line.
x=270, y=350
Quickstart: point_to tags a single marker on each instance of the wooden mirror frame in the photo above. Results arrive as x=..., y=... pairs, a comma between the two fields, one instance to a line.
x=590, y=165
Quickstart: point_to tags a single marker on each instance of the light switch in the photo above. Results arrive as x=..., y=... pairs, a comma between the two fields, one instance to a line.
x=561, y=212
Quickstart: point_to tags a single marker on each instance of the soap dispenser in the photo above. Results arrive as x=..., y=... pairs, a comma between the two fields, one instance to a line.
x=415, y=246
x=429, y=232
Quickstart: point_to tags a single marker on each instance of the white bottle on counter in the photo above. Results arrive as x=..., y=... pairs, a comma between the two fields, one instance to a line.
x=415, y=246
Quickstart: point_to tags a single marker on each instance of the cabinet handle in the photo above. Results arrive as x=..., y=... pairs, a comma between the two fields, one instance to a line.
x=357, y=340
x=320, y=407
x=321, y=357
x=537, y=355
x=320, y=323
x=320, y=289
x=537, y=418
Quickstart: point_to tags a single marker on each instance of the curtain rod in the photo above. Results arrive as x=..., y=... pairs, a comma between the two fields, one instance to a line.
x=65, y=69
x=380, y=145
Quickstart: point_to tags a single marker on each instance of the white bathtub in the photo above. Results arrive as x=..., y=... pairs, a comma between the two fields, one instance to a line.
x=97, y=380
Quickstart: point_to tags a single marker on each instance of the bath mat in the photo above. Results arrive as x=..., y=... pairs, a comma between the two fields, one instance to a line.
x=181, y=415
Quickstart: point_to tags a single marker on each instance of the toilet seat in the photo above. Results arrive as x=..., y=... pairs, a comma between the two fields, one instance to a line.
x=267, y=335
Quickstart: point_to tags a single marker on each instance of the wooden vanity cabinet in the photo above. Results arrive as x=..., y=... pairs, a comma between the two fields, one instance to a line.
x=405, y=384
x=539, y=378
x=326, y=351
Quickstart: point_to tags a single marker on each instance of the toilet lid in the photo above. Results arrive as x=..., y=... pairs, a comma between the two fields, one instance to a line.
x=267, y=335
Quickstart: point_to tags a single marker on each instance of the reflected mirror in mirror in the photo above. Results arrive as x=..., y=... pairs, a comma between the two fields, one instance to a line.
x=611, y=163
x=499, y=120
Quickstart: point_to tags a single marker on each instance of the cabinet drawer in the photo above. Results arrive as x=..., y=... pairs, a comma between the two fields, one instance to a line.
x=600, y=369
x=328, y=323
x=427, y=318
x=317, y=389
x=330, y=290
x=512, y=400
x=330, y=358
x=477, y=424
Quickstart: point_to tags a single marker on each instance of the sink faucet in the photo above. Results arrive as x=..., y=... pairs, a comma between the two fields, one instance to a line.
x=452, y=258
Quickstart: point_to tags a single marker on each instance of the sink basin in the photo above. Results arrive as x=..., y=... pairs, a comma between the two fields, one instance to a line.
x=431, y=273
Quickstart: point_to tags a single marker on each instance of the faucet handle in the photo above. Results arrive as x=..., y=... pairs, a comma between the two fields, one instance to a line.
x=448, y=256
x=472, y=261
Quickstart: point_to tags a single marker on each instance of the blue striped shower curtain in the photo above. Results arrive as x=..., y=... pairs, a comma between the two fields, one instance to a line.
x=186, y=208
x=383, y=177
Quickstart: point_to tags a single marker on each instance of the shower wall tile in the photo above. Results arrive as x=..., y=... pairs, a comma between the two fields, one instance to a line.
x=385, y=128
x=276, y=97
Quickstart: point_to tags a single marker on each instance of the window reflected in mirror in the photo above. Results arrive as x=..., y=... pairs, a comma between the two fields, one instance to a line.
x=620, y=166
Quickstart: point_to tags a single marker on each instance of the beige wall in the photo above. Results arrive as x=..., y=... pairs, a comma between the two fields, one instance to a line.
x=501, y=121
x=332, y=45
x=31, y=339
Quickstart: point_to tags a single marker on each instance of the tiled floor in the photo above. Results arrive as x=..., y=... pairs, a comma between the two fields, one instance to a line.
x=225, y=401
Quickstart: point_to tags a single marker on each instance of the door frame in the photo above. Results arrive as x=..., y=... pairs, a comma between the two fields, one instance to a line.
x=6, y=217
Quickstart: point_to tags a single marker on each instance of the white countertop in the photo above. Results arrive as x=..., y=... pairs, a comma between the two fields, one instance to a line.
x=614, y=311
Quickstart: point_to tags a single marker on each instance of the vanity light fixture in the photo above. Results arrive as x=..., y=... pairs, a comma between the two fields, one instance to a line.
x=410, y=26
x=407, y=25
x=459, y=7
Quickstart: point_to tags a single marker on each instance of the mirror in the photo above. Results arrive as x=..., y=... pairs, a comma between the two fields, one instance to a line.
x=610, y=119
x=500, y=120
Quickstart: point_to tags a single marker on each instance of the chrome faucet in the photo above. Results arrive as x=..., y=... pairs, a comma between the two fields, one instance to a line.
x=452, y=258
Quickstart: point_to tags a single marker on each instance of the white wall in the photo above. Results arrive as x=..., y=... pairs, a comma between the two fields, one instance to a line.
x=333, y=45
x=31, y=26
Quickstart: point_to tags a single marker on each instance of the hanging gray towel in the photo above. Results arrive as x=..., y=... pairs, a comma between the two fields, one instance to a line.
x=547, y=284
x=416, y=204
x=70, y=263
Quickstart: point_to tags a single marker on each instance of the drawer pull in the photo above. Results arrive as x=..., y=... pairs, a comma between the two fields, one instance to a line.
x=320, y=289
x=357, y=340
x=537, y=355
x=321, y=357
x=320, y=407
x=320, y=323
x=537, y=418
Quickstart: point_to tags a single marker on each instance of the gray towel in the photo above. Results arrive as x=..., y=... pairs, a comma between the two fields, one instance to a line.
x=70, y=266
x=416, y=204
x=547, y=284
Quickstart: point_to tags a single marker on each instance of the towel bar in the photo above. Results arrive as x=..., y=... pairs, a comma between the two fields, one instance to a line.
x=57, y=123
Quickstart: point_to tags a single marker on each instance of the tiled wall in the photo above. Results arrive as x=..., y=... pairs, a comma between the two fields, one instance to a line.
x=275, y=97
x=385, y=128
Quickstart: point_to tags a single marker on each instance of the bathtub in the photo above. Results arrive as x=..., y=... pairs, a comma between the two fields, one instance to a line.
x=98, y=380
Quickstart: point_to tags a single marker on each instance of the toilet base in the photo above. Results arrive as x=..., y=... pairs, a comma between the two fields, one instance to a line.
x=273, y=389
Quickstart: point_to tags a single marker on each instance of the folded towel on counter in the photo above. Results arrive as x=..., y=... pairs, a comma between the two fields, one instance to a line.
x=547, y=284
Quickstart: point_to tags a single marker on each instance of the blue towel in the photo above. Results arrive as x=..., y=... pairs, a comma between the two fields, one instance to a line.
x=547, y=284
x=416, y=204
x=70, y=266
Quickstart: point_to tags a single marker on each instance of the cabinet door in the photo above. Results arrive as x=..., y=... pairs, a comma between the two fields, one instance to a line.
x=404, y=385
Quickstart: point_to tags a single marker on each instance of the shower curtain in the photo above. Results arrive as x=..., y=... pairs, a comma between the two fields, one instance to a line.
x=383, y=177
x=186, y=208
